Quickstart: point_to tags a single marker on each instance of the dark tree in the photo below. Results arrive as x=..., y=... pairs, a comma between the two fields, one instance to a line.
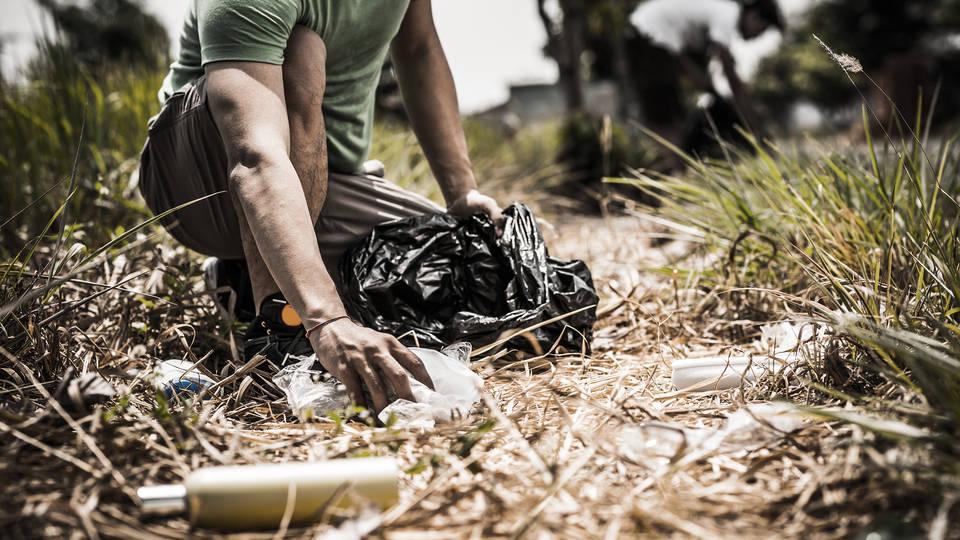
x=901, y=45
x=102, y=32
x=565, y=44
x=587, y=41
x=608, y=28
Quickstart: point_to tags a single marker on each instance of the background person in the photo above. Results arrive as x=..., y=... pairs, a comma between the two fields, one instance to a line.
x=671, y=53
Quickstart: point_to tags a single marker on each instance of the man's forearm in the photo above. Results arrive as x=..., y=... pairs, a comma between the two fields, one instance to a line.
x=733, y=78
x=247, y=103
x=273, y=203
x=701, y=79
x=741, y=94
x=430, y=97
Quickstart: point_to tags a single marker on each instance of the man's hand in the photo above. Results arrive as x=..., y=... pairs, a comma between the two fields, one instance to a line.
x=363, y=358
x=475, y=202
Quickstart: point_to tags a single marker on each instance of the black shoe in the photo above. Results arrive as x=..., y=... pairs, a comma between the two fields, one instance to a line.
x=276, y=333
x=229, y=282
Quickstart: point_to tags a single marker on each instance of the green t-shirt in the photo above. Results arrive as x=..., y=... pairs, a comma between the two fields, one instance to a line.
x=357, y=34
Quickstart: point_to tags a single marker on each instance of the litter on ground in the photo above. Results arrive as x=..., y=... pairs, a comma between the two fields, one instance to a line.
x=313, y=395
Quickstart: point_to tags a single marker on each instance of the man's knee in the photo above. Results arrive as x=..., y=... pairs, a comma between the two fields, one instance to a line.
x=304, y=72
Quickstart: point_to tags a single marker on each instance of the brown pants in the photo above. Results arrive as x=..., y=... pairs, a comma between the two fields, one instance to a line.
x=184, y=160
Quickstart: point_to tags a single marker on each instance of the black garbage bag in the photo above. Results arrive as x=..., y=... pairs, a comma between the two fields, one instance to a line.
x=448, y=279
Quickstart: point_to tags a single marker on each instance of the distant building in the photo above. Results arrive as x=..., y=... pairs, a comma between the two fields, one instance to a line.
x=533, y=103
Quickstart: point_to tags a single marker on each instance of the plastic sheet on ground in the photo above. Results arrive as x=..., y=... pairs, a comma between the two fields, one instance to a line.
x=79, y=394
x=314, y=394
x=437, y=279
x=779, y=346
x=660, y=443
x=357, y=528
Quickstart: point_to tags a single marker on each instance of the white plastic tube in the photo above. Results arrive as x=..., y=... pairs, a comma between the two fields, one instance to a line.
x=259, y=496
x=717, y=372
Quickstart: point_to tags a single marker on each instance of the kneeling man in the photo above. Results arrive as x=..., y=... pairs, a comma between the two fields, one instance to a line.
x=268, y=112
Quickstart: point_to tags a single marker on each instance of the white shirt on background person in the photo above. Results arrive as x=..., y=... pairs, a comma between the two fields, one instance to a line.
x=681, y=25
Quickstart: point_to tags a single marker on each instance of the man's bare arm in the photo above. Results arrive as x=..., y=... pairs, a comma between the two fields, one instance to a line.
x=741, y=94
x=247, y=102
x=700, y=78
x=430, y=98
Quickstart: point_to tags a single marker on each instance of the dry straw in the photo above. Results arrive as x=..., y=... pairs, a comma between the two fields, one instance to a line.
x=542, y=459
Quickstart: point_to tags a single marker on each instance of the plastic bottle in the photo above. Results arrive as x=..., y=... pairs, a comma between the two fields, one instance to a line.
x=180, y=378
x=256, y=496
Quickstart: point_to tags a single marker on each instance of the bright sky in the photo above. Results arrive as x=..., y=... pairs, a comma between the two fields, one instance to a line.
x=490, y=43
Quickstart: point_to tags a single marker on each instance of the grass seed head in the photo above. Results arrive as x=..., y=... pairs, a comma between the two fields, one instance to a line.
x=848, y=63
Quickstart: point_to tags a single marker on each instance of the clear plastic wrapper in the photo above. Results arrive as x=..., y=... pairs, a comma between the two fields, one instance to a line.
x=311, y=393
x=314, y=394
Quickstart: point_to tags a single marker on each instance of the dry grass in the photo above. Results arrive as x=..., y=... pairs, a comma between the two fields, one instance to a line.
x=543, y=459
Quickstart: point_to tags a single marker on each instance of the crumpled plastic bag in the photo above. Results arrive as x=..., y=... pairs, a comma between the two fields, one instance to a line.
x=314, y=394
x=439, y=279
x=456, y=389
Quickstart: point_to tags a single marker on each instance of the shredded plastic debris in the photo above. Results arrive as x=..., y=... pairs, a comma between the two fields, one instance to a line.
x=661, y=443
x=81, y=393
x=785, y=336
x=312, y=394
x=357, y=528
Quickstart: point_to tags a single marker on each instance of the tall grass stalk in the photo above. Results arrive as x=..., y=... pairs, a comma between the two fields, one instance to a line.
x=866, y=236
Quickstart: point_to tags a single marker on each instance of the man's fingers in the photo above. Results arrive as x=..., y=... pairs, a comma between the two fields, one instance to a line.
x=411, y=363
x=372, y=380
x=351, y=380
x=397, y=377
x=495, y=213
x=492, y=209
